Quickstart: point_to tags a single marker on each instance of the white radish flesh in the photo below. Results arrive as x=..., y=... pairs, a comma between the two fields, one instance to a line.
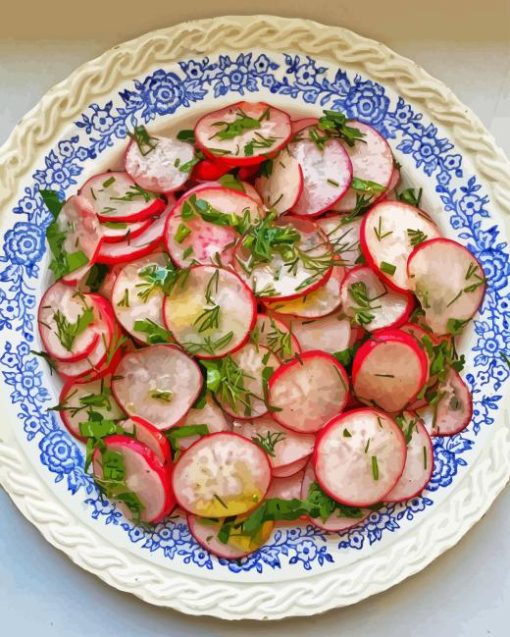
x=455, y=407
x=290, y=469
x=449, y=283
x=330, y=334
x=115, y=231
x=163, y=165
x=283, y=186
x=359, y=457
x=367, y=300
x=343, y=236
x=288, y=488
x=308, y=392
x=211, y=415
x=221, y=475
x=149, y=436
x=388, y=232
x=192, y=299
x=276, y=336
x=159, y=384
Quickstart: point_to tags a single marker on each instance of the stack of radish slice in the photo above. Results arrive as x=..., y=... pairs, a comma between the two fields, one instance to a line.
x=253, y=325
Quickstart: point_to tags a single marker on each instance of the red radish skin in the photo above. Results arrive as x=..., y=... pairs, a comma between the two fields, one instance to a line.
x=211, y=415
x=455, y=297
x=104, y=190
x=327, y=174
x=276, y=336
x=288, y=488
x=419, y=463
x=384, y=239
x=371, y=159
x=161, y=169
x=389, y=370
x=455, y=408
x=308, y=391
x=282, y=189
x=209, y=170
x=275, y=124
x=149, y=436
x=145, y=477
x=388, y=308
x=159, y=384
x=298, y=125
x=291, y=469
x=330, y=334
x=185, y=305
x=275, y=282
x=359, y=469
x=222, y=474
x=114, y=232
x=335, y=523
x=343, y=236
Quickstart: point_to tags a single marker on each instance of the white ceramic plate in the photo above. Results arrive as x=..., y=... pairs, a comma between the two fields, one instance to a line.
x=168, y=78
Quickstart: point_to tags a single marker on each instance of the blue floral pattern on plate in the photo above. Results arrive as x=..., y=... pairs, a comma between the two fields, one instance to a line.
x=163, y=93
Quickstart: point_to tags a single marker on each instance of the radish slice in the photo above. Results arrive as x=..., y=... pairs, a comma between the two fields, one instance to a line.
x=283, y=447
x=288, y=488
x=449, y=283
x=371, y=159
x=359, y=457
x=114, y=196
x=205, y=532
x=297, y=125
x=327, y=174
x=61, y=310
x=190, y=239
x=389, y=370
x=162, y=166
x=249, y=363
x=159, y=384
x=330, y=334
x=221, y=475
x=115, y=231
x=209, y=170
x=336, y=522
x=276, y=336
x=394, y=180
x=83, y=237
x=242, y=134
x=76, y=399
x=187, y=307
x=252, y=192
x=283, y=186
x=316, y=304
x=419, y=334
x=343, y=236
x=388, y=233
x=106, y=287
x=144, y=479
x=370, y=303
x=140, y=246
x=148, y=435
x=138, y=294
x=285, y=278
x=419, y=461
x=288, y=470
x=308, y=391
x=455, y=407
x=211, y=415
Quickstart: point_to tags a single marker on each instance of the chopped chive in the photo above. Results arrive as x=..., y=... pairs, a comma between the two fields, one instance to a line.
x=375, y=468
x=424, y=457
x=367, y=445
x=347, y=433
x=387, y=268
x=385, y=375
x=108, y=182
x=454, y=299
x=333, y=182
x=183, y=231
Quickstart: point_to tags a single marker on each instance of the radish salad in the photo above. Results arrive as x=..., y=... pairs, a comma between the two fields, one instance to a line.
x=255, y=324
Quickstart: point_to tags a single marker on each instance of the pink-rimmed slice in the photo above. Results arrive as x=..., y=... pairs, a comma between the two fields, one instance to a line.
x=115, y=196
x=251, y=363
x=359, y=457
x=205, y=532
x=340, y=520
x=284, y=447
x=158, y=383
x=419, y=460
x=221, y=475
x=316, y=304
x=389, y=370
x=288, y=488
x=76, y=399
x=327, y=173
x=116, y=231
x=343, y=236
x=189, y=238
x=276, y=336
x=243, y=134
x=143, y=244
x=449, y=283
x=149, y=436
x=371, y=159
x=161, y=164
x=284, y=278
x=137, y=295
x=288, y=470
x=308, y=391
x=330, y=334
x=282, y=184
x=106, y=287
x=389, y=233
x=191, y=301
x=393, y=183
x=61, y=311
x=210, y=415
x=251, y=192
x=298, y=125
x=369, y=302
x=144, y=478
x=453, y=412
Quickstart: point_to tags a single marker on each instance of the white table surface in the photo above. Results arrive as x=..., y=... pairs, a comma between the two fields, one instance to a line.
x=466, y=592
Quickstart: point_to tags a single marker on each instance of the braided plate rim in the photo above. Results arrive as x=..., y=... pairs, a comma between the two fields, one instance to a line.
x=471, y=497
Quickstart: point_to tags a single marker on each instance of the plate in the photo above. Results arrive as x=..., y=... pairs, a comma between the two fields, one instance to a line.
x=171, y=77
